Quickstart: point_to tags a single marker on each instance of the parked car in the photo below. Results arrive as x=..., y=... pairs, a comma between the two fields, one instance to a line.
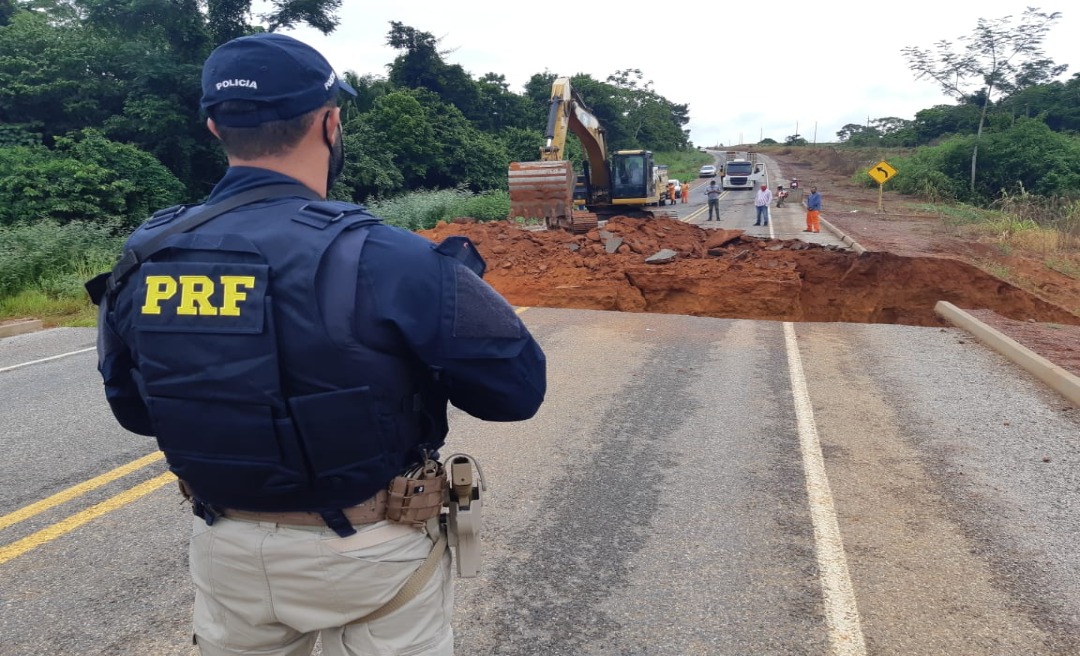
x=707, y=171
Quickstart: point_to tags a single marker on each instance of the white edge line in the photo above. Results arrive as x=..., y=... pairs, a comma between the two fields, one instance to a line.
x=841, y=611
x=54, y=357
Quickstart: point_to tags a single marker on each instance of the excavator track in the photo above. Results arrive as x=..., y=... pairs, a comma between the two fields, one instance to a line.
x=582, y=222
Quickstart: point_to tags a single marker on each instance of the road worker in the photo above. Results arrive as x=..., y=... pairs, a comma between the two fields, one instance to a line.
x=813, y=211
x=292, y=356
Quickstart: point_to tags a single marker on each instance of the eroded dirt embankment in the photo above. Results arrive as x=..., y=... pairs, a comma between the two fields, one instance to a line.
x=724, y=273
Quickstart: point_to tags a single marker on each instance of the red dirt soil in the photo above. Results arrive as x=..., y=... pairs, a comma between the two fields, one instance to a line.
x=911, y=263
x=724, y=273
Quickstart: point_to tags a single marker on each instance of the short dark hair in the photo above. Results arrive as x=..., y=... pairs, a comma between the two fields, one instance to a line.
x=266, y=139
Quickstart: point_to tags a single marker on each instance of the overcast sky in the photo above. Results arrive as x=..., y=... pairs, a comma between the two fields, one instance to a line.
x=745, y=73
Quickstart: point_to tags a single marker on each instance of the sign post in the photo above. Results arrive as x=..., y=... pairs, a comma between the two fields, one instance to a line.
x=881, y=172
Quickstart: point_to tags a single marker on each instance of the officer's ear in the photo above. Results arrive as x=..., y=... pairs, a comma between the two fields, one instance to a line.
x=210, y=125
x=334, y=120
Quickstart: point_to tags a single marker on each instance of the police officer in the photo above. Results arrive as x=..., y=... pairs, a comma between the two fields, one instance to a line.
x=292, y=355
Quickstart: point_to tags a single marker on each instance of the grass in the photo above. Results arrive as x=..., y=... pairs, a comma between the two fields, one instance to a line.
x=1012, y=232
x=68, y=311
x=43, y=265
x=422, y=210
x=1065, y=265
x=683, y=164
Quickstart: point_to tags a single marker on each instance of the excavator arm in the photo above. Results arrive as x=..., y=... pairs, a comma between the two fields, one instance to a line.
x=567, y=113
x=544, y=189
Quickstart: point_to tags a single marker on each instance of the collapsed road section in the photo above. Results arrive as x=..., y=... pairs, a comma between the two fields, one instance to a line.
x=666, y=266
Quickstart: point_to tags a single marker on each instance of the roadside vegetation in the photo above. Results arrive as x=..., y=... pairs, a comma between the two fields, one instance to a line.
x=683, y=165
x=1003, y=162
x=91, y=144
x=43, y=264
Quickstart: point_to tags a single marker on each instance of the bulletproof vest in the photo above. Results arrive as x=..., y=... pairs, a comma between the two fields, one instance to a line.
x=260, y=396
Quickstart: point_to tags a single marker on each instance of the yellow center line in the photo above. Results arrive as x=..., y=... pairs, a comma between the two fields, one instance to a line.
x=701, y=210
x=693, y=215
x=27, y=512
x=520, y=309
x=35, y=540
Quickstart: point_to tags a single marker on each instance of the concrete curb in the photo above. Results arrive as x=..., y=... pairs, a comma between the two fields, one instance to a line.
x=855, y=246
x=20, y=327
x=1057, y=378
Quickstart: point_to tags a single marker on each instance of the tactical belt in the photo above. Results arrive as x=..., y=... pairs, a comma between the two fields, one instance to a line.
x=368, y=512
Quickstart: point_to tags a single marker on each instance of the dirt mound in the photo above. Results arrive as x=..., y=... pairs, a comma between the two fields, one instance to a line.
x=668, y=266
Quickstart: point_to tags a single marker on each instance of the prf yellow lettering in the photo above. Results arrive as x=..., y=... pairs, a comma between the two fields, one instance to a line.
x=158, y=289
x=196, y=290
x=195, y=293
x=231, y=295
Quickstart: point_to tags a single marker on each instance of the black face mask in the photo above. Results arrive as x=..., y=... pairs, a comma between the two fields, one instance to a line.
x=337, y=154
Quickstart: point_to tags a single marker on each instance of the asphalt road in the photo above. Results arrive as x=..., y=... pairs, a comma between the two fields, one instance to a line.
x=691, y=486
x=737, y=211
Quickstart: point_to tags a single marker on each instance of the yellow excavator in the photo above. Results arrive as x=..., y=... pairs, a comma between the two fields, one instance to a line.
x=621, y=183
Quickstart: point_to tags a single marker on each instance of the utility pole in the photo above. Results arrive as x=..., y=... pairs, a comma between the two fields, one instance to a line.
x=815, y=133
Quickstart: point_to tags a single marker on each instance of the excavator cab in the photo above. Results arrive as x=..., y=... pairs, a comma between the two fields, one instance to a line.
x=635, y=179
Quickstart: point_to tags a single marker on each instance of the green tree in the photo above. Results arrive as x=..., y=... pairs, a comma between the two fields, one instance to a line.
x=7, y=10
x=997, y=58
x=87, y=178
x=176, y=24
x=158, y=47
x=854, y=134
x=147, y=185
x=320, y=14
x=1056, y=103
x=608, y=105
x=467, y=157
x=1027, y=157
x=55, y=78
x=18, y=135
x=370, y=171
x=502, y=108
x=420, y=66
x=369, y=88
x=227, y=19
x=405, y=134
x=944, y=120
x=521, y=145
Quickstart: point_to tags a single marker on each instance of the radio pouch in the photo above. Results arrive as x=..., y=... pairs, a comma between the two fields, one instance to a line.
x=419, y=494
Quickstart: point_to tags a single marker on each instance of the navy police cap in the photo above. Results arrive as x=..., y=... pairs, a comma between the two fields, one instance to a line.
x=285, y=77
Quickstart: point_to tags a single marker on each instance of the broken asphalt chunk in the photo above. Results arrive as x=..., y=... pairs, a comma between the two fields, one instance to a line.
x=611, y=245
x=665, y=256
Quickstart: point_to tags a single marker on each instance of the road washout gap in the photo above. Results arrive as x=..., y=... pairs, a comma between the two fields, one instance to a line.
x=728, y=274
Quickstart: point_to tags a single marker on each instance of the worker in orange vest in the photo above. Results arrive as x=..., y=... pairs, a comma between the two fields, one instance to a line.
x=685, y=192
x=671, y=192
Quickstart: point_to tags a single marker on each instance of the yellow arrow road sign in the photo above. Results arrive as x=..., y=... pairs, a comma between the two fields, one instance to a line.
x=881, y=172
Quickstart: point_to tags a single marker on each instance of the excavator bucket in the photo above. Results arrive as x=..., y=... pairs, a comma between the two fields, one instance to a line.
x=543, y=190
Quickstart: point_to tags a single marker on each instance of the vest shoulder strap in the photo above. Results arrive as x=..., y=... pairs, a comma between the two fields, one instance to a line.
x=133, y=257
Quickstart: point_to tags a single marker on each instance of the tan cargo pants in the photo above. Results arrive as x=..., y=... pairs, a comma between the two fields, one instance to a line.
x=263, y=588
